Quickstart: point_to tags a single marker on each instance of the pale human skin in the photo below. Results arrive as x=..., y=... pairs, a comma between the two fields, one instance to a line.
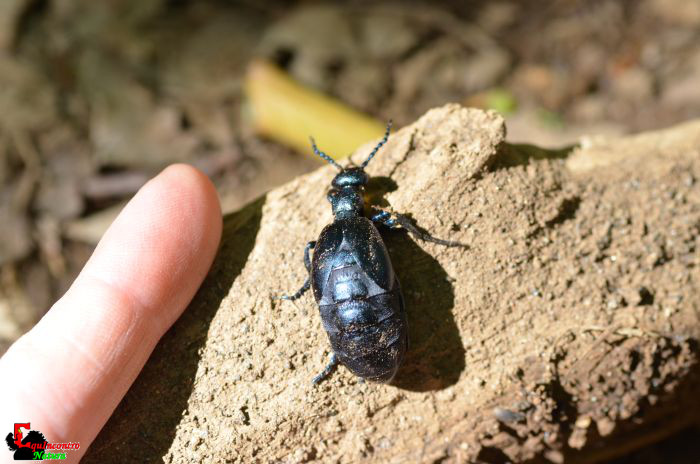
x=67, y=375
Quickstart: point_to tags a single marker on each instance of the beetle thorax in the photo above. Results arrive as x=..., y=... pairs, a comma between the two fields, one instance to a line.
x=346, y=201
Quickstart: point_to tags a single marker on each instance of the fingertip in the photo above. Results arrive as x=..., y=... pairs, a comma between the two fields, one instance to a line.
x=183, y=181
x=163, y=241
x=191, y=178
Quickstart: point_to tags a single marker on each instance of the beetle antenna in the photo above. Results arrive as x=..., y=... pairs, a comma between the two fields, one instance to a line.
x=379, y=145
x=323, y=155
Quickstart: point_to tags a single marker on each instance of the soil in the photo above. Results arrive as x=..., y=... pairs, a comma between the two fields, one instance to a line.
x=567, y=330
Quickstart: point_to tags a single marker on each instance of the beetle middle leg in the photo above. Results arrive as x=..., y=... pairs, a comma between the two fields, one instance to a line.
x=332, y=363
x=385, y=218
x=307, y=282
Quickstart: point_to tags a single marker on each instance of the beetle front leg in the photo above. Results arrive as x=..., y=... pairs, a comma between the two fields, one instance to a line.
x=384, y=218
x=332, y=363
x=307, y=282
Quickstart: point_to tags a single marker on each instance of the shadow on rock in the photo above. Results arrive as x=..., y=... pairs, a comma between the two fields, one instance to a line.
x=143, y=426
x=377, y=188
x=435, y=355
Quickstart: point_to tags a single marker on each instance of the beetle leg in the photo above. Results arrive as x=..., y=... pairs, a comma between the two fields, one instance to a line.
x=307, y=283
x=384, y=217
x=307, y=260
x=298, y=294
x=406, y=223
x=327, y=370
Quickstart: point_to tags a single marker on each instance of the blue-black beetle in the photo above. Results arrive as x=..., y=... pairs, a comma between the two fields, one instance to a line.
x=353, y=281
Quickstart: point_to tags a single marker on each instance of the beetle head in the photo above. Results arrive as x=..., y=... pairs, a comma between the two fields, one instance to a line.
x=351, y=177
x=347, y=187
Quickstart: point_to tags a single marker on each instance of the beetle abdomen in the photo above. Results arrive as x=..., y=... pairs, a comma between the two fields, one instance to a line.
x=359, y=298
x=369, y=335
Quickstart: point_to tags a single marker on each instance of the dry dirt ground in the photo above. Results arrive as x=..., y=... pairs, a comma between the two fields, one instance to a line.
x=567, y=331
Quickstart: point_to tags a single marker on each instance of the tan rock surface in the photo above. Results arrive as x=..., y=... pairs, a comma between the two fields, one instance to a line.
x=567, y=331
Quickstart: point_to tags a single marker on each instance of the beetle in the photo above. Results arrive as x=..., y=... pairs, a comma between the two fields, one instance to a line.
x=353, y=280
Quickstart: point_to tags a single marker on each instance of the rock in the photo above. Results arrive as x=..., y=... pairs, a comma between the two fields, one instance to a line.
x=682, y=141
x=514, y=354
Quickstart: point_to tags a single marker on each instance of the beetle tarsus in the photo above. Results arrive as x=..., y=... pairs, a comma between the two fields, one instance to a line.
x=332, y=364
x=298, y=294
x=406, y=223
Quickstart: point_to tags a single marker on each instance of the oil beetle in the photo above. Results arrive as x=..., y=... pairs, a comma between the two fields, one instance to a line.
x=353, y=281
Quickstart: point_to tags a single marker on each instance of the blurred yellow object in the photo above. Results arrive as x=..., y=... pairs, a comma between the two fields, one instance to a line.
x=286, y=111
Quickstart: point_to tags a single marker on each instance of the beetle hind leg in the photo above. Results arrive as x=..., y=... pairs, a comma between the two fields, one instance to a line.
x=330, y=367
x=298, y=294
